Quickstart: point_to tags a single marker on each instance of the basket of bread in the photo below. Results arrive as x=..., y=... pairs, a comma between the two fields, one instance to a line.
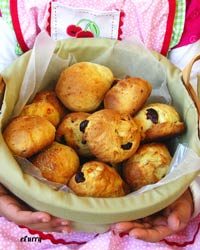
x=96, y=131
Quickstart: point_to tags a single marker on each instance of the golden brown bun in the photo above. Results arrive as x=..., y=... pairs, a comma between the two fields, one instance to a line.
x=47, y=105
x=27, y=135
x=97, y=179
x=50, y=97
x=57, y=162
x=147, y=166
x=111, y=136
x=128, y=95
x=42, y=109
x=158, y=121
x=69, y=130
x=82, y=86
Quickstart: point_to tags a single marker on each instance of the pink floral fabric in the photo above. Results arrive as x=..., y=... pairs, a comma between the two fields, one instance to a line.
x=15, y=237
x=149, y=20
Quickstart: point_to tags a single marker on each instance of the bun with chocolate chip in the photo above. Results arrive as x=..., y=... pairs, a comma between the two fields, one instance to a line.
x=148, y=165
x=70, y=132
x=158, y=121
x=97, y=179
x=111, y=136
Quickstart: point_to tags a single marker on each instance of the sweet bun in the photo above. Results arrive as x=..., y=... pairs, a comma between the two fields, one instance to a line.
x=82, y=86
x=27, y=135
x=45, y=104
x=158, y=121
x=97, y=179
x=50, y=97
x=70, y=132
x=128, y=95
x=42, y=109
x=110, y=135
x=57, y=162
x=148, y=165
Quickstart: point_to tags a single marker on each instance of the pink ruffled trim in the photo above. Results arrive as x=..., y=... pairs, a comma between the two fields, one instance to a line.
x=121, y=22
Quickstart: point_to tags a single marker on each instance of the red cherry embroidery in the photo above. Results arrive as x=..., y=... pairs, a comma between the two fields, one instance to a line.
x=72, y=30
x=91, y=29
x=82, y=34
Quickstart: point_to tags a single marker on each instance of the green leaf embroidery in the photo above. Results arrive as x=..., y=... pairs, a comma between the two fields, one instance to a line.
x=91, y=26
x=94, y=29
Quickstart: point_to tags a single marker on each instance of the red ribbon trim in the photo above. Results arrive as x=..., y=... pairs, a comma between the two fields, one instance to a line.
x=50, y=237
x=169, y=27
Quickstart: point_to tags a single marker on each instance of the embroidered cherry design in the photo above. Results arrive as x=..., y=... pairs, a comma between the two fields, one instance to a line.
x=72, y=30
x=91, y=29
x=82, y=34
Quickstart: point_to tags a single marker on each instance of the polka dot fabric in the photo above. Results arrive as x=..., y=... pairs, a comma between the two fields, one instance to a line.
x=13, y=237
x=148, y=20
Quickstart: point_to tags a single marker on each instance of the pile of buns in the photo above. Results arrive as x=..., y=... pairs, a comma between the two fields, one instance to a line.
x=95, y=133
